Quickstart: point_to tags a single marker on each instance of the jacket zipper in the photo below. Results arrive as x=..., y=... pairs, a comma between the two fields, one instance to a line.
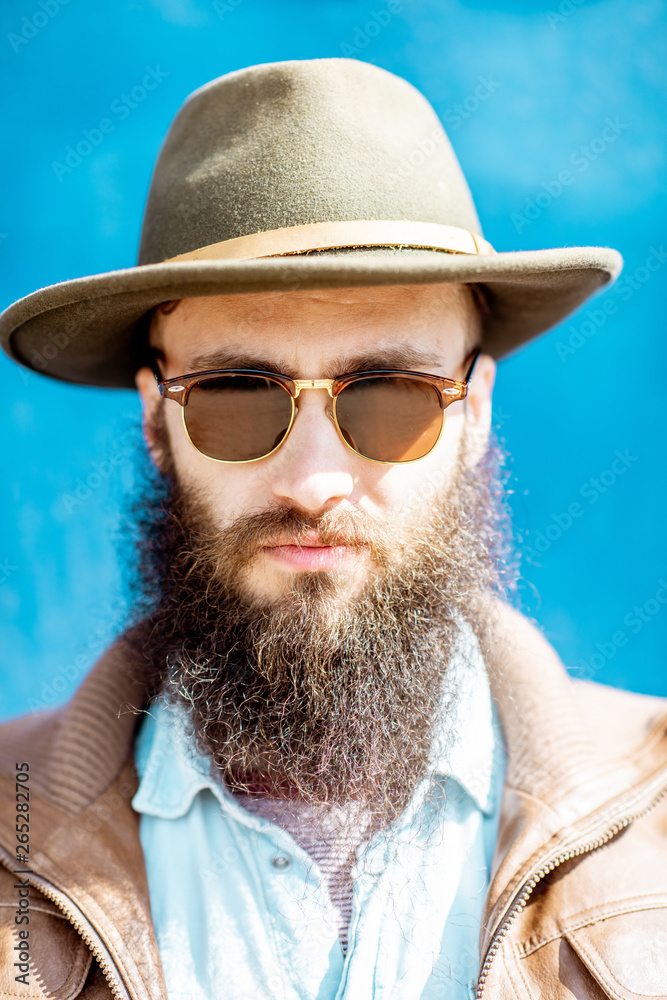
x=524, y=895
x=95, y=944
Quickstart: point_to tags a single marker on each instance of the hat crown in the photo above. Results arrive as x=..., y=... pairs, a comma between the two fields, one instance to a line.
x=290, y=143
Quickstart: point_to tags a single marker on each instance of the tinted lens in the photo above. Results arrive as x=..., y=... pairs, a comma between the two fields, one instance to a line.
x=237, y=418
x=390, y=419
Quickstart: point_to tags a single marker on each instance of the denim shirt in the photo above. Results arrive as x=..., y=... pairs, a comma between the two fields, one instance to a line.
x=242, y=912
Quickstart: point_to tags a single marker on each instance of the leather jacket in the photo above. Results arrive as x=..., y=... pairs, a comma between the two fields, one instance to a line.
x=577, y=905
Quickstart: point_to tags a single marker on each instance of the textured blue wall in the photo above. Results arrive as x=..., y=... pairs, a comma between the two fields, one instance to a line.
x=566, y=405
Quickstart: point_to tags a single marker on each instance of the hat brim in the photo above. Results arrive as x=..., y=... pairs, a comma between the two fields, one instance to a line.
x=89, y=331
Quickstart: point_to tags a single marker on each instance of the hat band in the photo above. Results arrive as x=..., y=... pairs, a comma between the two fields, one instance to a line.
x=334, y=235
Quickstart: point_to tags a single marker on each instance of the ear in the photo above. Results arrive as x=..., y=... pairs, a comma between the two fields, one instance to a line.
x=477, y=407
x=151, y=400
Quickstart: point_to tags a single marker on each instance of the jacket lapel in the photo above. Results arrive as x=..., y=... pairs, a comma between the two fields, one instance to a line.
x=562, y=783
x=84, y=831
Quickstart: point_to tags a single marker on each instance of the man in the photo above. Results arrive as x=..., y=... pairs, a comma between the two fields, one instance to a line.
x=325, y=759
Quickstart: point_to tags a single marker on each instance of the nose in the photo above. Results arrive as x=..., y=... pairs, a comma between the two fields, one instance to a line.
x=313, y=468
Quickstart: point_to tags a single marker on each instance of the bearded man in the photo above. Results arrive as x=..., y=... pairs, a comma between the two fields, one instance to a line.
x=325, y=759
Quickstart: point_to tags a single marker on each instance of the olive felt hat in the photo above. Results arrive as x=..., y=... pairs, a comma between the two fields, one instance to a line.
x=322, y=173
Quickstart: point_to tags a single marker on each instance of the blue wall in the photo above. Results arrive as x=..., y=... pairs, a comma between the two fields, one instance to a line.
x=565, y=405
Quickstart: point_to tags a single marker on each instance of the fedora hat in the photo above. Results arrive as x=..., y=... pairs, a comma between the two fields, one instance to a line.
x=322, y=173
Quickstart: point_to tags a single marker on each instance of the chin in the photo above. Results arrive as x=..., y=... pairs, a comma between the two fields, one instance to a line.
x=289, y=590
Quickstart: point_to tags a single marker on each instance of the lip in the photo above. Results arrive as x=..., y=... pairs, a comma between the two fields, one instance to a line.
x=309, y=554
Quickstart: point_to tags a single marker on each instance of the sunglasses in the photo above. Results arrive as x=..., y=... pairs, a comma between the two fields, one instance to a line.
x=244, y=415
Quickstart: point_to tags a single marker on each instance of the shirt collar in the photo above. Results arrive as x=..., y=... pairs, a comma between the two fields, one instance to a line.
x=467, y=748
x=172, y=771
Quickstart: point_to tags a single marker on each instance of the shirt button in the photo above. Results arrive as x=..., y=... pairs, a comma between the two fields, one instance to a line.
x=281, y=862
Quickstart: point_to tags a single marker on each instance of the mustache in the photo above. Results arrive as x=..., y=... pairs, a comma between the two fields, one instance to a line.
x=243, y=539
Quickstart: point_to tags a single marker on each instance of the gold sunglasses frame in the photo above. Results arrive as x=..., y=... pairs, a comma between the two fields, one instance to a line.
x=450, y=391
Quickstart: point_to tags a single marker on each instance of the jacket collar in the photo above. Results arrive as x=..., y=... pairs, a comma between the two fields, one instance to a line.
x=577, y=759
x=84, y=836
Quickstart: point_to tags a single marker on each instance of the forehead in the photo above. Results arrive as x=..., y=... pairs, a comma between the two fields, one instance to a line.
x=317, y=329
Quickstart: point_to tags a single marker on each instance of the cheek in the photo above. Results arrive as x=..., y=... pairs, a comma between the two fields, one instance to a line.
x=402, y=491
x=190, y=465
x=229, y=490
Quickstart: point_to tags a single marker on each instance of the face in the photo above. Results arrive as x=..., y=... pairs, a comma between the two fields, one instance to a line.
x=320, y=334
x=305, y=606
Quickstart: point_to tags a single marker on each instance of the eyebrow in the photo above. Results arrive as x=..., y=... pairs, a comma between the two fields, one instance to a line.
x=401, y=357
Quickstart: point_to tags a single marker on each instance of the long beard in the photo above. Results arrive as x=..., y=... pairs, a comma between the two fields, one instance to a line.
x=314, y=696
